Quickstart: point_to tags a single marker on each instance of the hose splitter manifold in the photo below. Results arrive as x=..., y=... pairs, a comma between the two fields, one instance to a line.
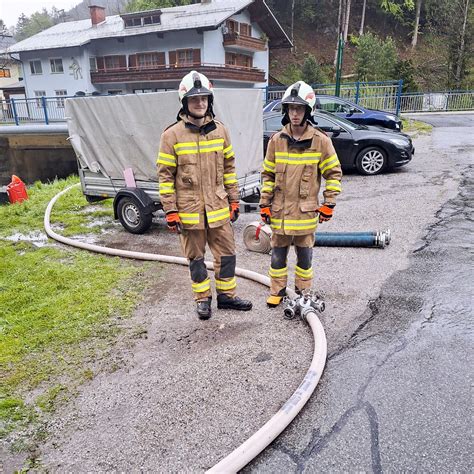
x=300, y=306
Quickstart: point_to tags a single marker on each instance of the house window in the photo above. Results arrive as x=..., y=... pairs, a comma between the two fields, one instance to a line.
x=38, y=95
x=145, y=60
x=231, y=59
x=133, y=22
x=245, y=29
x=61, y=93
x=5, y=72
x=112, y=62
x=232, y=26
x=151, y=20
x=114, y=91
x=35, y=67
x=56, y=66
x=185, y=56
x=142, y=91
x=93, y=64
x=234, y=59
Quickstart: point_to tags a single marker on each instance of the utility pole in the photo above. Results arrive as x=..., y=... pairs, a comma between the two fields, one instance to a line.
x=340, y=53
x=292, y=25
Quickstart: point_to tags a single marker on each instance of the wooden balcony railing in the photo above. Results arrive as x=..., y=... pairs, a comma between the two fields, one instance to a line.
x=243, y=42
x=176, y=72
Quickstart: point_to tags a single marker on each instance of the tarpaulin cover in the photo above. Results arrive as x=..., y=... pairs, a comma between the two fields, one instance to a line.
x=112, y=133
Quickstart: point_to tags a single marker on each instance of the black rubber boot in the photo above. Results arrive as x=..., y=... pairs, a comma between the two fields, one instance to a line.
x=226, y=302
x=203, y=308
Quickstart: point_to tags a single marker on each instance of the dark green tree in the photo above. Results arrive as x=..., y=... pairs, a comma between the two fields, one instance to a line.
x=405, y=70
x=311, y=71
x=38, y=21
x=375, y=58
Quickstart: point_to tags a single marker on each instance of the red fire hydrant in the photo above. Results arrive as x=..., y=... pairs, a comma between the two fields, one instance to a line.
x=16, y=190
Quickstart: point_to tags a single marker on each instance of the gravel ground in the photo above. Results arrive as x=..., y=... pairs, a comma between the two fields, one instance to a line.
x=188, y=392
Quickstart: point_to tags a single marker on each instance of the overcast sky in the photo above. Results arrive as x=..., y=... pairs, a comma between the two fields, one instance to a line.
x=10, y=10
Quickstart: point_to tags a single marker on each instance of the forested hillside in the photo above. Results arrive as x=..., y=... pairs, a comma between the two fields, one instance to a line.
x=428, y=43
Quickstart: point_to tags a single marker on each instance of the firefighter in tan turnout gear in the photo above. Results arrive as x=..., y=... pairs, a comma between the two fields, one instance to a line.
x=199, y=192
x=297, y=158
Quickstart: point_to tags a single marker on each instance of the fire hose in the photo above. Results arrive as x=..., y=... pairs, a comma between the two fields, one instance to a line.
x=305, y=306
x=257, y=238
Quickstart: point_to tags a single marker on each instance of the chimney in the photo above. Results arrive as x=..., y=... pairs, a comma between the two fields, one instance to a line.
x=97, y=14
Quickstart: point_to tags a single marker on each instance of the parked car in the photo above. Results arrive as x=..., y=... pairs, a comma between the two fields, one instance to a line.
x=369, y=149
x=346, y=109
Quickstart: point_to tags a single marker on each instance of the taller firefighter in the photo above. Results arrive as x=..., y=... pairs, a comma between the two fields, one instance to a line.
x=297, y=158
x=199, y=192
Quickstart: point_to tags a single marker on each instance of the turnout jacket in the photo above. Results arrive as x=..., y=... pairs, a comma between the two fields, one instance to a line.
x=291, y=179
x=196, y=173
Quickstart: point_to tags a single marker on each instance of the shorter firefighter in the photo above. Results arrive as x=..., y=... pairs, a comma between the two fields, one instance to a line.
x=199, y=192
x=297, y=158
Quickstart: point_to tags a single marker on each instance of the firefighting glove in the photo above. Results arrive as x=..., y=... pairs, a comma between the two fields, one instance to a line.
x=174, y=222
x=325, y=212
x=234, y=211
x=266, y=215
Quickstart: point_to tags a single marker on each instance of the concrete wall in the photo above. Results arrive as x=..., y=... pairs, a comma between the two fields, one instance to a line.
x=36, y=157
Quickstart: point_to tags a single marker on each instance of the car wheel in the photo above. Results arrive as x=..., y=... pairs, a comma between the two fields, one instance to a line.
x=132, y=216
x=371, y=161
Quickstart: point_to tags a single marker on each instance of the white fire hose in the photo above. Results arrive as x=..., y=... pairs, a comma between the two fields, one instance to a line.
x=304, y=305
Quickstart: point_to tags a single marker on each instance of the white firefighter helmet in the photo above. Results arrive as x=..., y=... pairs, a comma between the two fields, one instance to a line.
x=299, y=93
x=194, y=83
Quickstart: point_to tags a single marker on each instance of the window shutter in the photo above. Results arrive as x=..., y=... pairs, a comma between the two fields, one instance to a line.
x=122, y=61
x=132, y=61
x=172, y=56
x=161, y=58
x=197, y=57
x=100, y=64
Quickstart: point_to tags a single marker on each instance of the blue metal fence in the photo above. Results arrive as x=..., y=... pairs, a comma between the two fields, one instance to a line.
x=383, y=95
x=376, y=95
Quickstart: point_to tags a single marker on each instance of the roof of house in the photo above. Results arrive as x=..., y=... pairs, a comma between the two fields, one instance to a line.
x=6, y=40
x=199, y=15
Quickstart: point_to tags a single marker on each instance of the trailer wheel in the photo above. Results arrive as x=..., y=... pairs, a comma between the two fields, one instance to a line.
x=132, y=216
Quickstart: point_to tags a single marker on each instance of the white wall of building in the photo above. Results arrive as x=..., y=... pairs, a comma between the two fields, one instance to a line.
x=78, y=79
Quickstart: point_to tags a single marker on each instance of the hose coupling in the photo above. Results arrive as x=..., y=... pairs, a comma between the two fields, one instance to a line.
x=308, y=301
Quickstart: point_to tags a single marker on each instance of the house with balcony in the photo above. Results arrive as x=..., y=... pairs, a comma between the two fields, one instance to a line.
x=10, y=70
x=228, y=40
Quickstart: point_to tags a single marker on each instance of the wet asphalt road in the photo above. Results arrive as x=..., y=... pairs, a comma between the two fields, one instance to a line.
x=398, y=396
x=395, y=394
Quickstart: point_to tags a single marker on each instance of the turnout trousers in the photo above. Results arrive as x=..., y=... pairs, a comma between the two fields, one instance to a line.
x=222, y=245
x=279, y=270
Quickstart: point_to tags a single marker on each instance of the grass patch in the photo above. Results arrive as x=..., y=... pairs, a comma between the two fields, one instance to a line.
x=59, y=307
x=410, y=125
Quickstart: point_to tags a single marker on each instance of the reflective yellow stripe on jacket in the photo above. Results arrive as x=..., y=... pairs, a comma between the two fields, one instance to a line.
x=305, y=158
x=166, y=188
x=333, y=185
x=191, y=148
x=329, y=163
x=294, y=224
x=189, y=218
x=230, y=178
x=268, y=186
x=166, y=159
x=228, y=152
x=219, y=215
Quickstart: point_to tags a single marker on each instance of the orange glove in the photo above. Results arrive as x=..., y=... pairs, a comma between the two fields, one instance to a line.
x=325, y=212
x=234, y=211
x=174, y=222
x=266, y=215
